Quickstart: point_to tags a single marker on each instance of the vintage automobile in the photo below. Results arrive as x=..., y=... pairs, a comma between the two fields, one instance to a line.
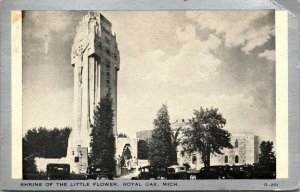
x=174, y=172
x=263, y=172
x=58, y=171
x=227, y=172
x=213, y=172
x=151, y=173
x=97, y=172
x=241, y=172
x=177, y=172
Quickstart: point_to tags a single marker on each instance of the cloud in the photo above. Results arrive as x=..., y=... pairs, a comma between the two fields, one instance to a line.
x=186, y=60
x=187, y=34
x=239, y=28
x=208, y=69
x=268, y=54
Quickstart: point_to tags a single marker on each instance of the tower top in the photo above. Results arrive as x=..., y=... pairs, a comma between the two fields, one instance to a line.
x=94, y=34
x=95, y=16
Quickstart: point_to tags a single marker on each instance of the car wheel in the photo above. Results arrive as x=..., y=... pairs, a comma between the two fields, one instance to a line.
x=161, y=177
x=102, y=177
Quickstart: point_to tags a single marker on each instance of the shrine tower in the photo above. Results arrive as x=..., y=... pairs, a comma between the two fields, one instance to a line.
x=96, y=62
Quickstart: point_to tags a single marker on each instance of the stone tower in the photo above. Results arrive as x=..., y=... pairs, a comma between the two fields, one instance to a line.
x=96, y=62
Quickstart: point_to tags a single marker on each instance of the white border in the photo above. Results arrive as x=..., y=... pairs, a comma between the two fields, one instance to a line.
x=16, y=93
x=282, y=140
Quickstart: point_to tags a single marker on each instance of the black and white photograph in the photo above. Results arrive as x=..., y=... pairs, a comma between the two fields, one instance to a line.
x=148, y=95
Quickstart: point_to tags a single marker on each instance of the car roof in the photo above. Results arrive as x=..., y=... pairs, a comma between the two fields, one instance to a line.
x=58, y=164
x=176, y=166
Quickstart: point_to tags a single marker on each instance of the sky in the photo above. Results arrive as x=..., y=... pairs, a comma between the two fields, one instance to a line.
x=185, y=59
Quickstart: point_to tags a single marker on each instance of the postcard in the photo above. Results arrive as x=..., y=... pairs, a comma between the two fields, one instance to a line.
x=145, y=99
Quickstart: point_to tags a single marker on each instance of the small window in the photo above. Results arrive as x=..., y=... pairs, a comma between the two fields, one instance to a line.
x=116, y=56
x=100, y=46
x=107, y=51
x=236, y=159
x=194, y=159
x=76, y=159
x=107, y=62
x=236, y=143
x=226, y=159
x=72, y=152
x=96, y=28
x=182, y=153
x=107, y=40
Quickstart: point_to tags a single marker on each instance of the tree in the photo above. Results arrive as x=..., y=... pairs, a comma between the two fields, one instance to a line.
x=43, y=142
x=143, y=150
x=175, y=143
x=267, y=156
x=103, y=144
x=47, y=143
x=126, y=155
x=161, y=149
x=29, y=166
x=206, y=135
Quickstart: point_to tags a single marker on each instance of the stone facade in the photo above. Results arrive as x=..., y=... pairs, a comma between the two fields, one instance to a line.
x=123, y=143
x=96, y=62
x=245, y=149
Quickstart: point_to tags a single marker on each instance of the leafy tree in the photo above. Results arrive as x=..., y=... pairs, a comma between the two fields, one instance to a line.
x=126, y=155
x=175, y=142
x=43, y=142
x=122, y=161
x=161, y=149
x=143, y=149
x=206, y=135
x=47, y=143
x=103, y=142
x=29, y=166
x=267, y=156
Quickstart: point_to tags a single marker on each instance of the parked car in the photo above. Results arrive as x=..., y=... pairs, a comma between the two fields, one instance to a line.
x=177, y=172
x=241, y=172
x=263, y=172
x=58, y=171
x=98, y=172
x=227, y=172
x=151, y=173
x=214, y=172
